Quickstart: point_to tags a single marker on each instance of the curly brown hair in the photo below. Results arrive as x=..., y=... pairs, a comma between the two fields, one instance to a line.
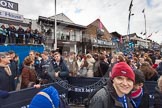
x=28, y=60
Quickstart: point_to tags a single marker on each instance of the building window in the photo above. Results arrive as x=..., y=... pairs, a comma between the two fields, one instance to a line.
x=67, y=37
x=62, y=36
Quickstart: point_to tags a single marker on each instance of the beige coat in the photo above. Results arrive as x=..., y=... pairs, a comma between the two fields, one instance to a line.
x=72, y=66
x=91, y=62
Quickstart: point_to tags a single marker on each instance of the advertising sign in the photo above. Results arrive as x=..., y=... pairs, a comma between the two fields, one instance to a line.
x=9, y=5
x=10, y=15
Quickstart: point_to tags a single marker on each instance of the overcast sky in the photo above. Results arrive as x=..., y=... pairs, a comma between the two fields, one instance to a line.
x=112, y=13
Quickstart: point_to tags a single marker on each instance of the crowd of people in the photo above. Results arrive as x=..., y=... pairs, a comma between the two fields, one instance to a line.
x=19, y=35
x=127, y=74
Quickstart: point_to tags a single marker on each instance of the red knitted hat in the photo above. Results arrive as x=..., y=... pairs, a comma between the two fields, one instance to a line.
x=122, y=69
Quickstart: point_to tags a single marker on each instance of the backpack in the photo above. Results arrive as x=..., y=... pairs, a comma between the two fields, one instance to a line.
x=90, y=96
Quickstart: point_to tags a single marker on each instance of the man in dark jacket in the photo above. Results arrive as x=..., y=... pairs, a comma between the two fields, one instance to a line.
x=5, y=72
x=3, y=34
x=44, y=65
x=13, y=67
x=58, y=67
x=11, y=34
x=114, y=95
x=21, y=35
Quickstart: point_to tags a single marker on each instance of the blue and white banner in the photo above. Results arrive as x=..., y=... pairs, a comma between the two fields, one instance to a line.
x=10, y=15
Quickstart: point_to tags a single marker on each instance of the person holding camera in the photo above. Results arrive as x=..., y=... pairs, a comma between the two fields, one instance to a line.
x=58, y=67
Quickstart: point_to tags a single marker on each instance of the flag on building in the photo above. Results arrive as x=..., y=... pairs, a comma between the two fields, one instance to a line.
x=100, y=24
x=149, y=36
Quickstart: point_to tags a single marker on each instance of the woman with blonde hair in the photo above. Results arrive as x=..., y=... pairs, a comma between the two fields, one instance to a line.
x=90, y=60
x=120, y=58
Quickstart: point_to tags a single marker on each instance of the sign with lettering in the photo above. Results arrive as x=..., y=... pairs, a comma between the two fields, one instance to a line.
x=10, y=15
x=9, y=5
x=82, y=86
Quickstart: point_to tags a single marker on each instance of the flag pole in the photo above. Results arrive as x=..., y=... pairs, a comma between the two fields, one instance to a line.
x=55, y=34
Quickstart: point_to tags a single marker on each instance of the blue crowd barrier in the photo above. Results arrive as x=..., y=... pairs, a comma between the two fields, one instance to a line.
x=22, y=98
x=82, y=86
x=76, y=89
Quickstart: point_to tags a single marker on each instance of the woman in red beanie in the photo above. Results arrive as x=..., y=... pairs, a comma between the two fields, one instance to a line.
x=114, y=94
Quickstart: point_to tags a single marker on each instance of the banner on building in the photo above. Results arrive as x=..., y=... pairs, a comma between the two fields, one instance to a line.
x=9, y=5
x=10, y=15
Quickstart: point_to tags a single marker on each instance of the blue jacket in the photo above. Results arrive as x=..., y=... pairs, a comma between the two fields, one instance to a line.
x=62, y=67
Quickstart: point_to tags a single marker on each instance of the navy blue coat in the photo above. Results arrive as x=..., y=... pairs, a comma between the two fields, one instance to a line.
x=62, y=67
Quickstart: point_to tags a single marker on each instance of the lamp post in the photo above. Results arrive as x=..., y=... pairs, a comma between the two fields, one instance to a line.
x=54, y=37
x=55, y=45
